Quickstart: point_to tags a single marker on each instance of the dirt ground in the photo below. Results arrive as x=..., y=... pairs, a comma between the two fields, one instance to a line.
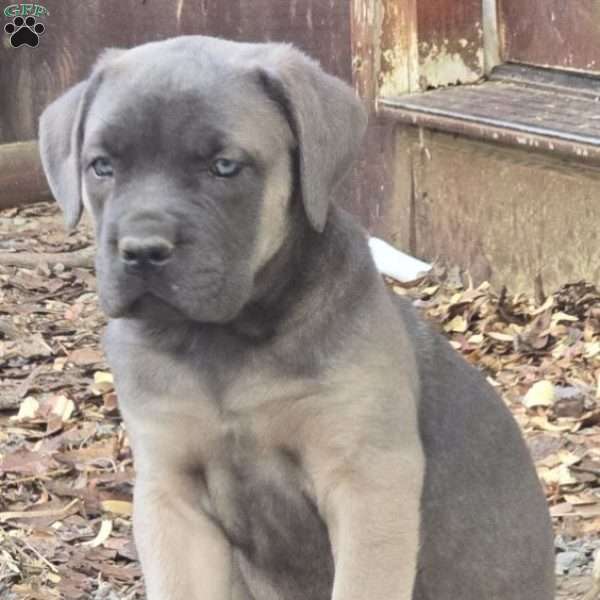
x=65, y=464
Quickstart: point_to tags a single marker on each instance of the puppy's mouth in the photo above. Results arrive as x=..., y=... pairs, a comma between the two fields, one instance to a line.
x=145, y=305
x=170, y=302
x=150, y=306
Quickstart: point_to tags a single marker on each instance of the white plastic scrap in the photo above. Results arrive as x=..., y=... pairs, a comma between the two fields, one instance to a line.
x=396, y=264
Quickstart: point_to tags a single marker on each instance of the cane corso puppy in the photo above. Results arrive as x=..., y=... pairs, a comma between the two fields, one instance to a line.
x=298, y=433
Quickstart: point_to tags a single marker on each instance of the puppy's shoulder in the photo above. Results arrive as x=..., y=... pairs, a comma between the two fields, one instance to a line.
x=420, y=333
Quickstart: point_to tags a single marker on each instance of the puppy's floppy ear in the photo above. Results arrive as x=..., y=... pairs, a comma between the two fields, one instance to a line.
x=60, y=139
x=327, y=119
x=60, y=145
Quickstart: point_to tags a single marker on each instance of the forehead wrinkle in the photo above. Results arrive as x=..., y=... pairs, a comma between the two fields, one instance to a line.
x=139, y=107
x=103, y=135
x=150, y=121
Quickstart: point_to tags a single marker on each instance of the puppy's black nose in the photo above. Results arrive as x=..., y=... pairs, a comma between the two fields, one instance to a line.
x=145, y=252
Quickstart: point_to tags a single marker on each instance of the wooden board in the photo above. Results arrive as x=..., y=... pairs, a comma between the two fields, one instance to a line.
x=76, y=31
x=551, y=33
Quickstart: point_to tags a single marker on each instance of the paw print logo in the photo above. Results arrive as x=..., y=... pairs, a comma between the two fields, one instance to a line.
x=24, y=32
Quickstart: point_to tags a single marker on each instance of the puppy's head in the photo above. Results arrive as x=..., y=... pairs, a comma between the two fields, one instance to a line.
x=189, y=154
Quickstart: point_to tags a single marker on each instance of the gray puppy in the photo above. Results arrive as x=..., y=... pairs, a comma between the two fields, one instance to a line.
x=297, y=432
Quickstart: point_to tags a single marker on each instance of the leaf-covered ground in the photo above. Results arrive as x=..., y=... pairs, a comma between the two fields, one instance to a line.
x=65, y=464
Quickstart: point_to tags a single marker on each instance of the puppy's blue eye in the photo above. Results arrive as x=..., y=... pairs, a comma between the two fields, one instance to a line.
x=224, y=167
x=102, y=167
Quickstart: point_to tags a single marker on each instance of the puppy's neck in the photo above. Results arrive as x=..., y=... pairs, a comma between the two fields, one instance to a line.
x=313, y=289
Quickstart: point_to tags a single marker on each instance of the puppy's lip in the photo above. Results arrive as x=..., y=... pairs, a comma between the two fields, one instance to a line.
x=152, y=306
x=143, y=300
x=113, y=310
x=133, y=306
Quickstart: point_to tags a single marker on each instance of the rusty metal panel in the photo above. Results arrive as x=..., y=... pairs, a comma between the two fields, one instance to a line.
x=551, y=33
x=76, y=31
x=504, y=214
x=450, y=42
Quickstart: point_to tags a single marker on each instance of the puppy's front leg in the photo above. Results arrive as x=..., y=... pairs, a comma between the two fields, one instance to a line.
x=373, y=521
x=184, y=554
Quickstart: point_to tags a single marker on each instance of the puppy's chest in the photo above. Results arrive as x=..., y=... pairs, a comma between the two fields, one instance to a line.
x=248, y=477
x=262, y=500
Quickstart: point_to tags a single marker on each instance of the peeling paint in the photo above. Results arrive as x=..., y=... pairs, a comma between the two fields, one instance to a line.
x=490, y=35
x=426, y=45
x=366, y=57
x=366, y=12
x=204, y=9
x=396, y=75
x=440, y=67
x=179, y=10
x=309, y=17
x=399, y=66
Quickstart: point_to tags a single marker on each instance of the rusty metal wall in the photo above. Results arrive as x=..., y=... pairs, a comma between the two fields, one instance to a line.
x=77, y=30
x=551, y=33
x=505, y=214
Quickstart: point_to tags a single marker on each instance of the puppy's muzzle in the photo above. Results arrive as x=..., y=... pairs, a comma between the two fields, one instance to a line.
x=140, y=253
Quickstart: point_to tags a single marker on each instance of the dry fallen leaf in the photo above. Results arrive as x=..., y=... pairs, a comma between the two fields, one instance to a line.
x=103, y=377
x=103, y=383
x=457, y=325
x=63, y=407
x=500, y=337
x=28, y=409
x=104, y=532
x=86, y=356
x=541, y=393
x=117, y=507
